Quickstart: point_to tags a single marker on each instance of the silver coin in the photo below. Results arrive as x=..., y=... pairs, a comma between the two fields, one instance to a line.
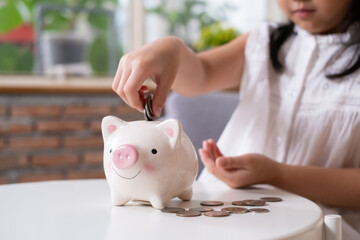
x=259, y=210
x=172, y=209
x=271, y=199
x=238, y=210
x=148, y=111
x=188, y=213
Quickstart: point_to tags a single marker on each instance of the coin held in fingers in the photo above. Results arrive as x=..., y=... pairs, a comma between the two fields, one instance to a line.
x=148, y=111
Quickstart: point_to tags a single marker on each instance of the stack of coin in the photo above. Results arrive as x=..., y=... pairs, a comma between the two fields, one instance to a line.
x=148, y=111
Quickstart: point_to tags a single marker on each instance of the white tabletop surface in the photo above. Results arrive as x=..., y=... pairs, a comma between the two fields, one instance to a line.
x=81, y=209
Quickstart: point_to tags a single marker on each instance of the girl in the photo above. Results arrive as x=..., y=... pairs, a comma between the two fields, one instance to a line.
x=297, y=125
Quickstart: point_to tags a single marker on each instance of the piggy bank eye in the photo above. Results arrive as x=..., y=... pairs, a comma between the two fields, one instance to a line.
x=154, y=151
x=110, y=150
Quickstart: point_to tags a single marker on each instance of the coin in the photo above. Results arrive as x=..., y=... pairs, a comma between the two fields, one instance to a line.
x=217, y=214
x=188, y=213
x=148, y=111
x=259, y=210
x=239, y=210
x=252, y=202
x=271, y=199
x=211, y=203
x=238, y=203
x=202, y=209
x=172, y=209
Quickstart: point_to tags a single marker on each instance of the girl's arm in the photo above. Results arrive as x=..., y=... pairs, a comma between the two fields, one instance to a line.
x=171, y=64
x=216, y=69
x=330, y=186
x=333, y=187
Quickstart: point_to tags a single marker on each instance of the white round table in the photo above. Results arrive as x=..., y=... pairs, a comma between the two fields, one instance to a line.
x=81, y=209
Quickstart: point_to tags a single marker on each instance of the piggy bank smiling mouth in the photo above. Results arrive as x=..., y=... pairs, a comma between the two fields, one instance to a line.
x=126, y=177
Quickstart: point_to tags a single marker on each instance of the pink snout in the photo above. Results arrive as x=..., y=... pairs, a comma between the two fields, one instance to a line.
x=125, y=156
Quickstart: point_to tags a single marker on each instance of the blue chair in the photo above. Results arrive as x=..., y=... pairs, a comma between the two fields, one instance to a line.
x=203, y=116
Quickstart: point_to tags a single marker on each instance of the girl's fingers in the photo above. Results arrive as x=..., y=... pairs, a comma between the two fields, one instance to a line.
x=163, y=79
x=231, y=163
x=125, y=73
x=143, y=90
x=209, y=148
x=217, y=150
x=133, y=86
x=160, y=94
x=208, y=162
x=205, y=145
x=213, y=147
x=210, y=165
x=116, y=81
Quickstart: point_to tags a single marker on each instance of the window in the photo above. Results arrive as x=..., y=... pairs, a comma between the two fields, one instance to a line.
x=58, y=37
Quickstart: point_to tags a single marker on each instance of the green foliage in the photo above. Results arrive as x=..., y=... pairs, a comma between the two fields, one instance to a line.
x=14, y=58
x=56, y=21
x=9, y=17
x=214, y=35
x=179, y=19
x=99, y=55
x=100, y=22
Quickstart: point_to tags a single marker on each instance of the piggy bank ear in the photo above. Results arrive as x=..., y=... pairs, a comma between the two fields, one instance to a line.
x=172, y=129
x=109, y=125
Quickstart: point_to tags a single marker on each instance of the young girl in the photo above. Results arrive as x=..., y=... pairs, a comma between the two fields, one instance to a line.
x=297, y=125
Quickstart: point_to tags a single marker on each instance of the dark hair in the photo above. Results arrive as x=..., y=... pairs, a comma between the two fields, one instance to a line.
x=280, y=34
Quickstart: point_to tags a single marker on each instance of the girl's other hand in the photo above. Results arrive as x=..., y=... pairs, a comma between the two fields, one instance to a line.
x=238, y=171
x=158, y=60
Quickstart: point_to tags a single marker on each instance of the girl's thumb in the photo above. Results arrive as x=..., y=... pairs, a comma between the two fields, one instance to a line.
x=229, y=162
x=222, y=162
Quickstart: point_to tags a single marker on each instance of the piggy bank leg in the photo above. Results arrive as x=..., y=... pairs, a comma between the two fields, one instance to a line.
x=118, y=200
x=159, y=203
x=186, y=195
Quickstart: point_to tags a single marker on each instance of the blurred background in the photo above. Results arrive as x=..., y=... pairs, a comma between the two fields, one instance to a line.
x=57, y=61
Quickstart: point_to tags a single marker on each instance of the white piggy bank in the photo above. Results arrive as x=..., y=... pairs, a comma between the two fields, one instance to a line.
x=148, y=161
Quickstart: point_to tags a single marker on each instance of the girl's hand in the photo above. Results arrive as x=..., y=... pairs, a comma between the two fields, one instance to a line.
x=238, y=171
x=158, y=60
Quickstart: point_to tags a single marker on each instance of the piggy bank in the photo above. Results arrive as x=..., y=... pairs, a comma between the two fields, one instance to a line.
x=148, y=161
